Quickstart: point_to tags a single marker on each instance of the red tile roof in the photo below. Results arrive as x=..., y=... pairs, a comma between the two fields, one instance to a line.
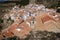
x=7, y=34
x=46, y=18
x=24, y=29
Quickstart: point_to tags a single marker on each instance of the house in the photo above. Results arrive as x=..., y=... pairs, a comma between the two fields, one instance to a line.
x=7, y=34
x=20, y=30
x=46, y=23
x=46, y=17
x=18, y=19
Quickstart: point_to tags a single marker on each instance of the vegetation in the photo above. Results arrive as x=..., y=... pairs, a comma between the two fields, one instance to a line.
x=10, y=20
x=1, y=27
x=24, y=2
x=1, y=21
x=43, y=35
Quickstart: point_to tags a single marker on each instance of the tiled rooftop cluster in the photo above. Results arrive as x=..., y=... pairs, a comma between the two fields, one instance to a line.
x=32, y=17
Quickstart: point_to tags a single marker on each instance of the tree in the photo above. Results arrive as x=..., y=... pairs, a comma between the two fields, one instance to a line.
x=1, y=27
x=24, y=2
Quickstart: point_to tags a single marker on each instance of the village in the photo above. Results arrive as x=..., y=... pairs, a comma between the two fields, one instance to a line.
x=32, y=17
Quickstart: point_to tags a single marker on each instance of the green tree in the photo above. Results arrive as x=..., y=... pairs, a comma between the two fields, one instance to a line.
x=24, y=2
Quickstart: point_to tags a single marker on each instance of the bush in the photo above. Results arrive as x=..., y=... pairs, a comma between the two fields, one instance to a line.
x=1, y=21
x=1, y=27
x=24, y=2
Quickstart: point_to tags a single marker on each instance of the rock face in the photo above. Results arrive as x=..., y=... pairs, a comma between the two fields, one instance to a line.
x=42, y=35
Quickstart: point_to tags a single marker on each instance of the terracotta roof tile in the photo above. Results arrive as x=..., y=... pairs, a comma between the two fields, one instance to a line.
x=7, y=34
x=24, y=29
x=46, y=18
